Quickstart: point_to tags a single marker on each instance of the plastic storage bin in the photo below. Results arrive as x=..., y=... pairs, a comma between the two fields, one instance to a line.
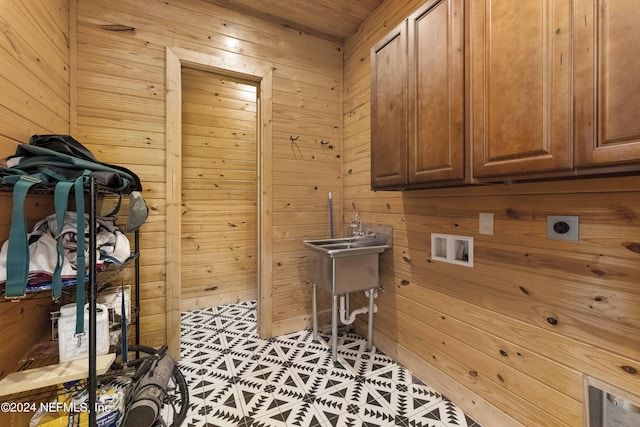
x=112, y=299
x=72, y=347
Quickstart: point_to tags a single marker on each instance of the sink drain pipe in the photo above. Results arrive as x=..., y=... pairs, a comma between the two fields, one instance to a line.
x=352, y=316
x=371, y=309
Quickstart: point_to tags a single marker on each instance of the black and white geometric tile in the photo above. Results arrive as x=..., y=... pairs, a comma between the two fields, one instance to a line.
x=237, y=379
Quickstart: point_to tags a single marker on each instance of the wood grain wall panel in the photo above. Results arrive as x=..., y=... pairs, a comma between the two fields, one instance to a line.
x=534, y=316
x=34, y=82
x=121, y=99
x=566, y=381
x=308, y=96
x=495, y=387
x=42, y=52
x=29, y=106
x=197, y=24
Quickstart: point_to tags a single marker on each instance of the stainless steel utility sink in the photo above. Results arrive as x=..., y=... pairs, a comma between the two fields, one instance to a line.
x=344, y=265
x=348, y=264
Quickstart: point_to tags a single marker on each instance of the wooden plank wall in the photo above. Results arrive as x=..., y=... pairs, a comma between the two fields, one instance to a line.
x=512, y=339
x=35, y=69
x=121, y=107
x=219, y=191
x=34, y=83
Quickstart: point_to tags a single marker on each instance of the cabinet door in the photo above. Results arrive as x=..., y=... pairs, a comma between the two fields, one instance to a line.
x=389, y=109
x=436, y=92
x=520, y=58
x=607, y=82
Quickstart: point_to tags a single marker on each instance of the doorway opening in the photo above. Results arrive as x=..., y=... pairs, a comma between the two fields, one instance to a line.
x=219, y=190
x=235, y=67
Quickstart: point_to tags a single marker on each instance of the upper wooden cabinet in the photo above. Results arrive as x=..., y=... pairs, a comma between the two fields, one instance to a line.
x=389, y=109
x=607, y=83
x=520, y=86
x=436, y=92
x=551, y=89
x=427, y=145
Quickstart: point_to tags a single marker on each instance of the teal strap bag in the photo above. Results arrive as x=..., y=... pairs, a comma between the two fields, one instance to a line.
x=18, y=268
x=56, y=169
x=18, y=246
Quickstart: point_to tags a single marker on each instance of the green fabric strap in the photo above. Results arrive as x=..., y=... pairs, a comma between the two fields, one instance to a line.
x=118, y=205
x=61, y=200
x=18, y=247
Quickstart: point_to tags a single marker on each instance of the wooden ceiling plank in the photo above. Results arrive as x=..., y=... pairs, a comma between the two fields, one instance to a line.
x=333, y=20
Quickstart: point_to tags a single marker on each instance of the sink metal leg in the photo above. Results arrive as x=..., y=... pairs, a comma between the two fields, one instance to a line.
x=334, y=329
x=314, y=304
x=370, y=325
x=334, y=314
x=349, y=327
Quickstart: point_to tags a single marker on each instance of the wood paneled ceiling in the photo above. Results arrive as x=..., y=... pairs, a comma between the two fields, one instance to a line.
x=329, y=19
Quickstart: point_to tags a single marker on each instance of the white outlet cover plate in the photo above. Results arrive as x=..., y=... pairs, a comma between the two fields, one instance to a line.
x=486, y=223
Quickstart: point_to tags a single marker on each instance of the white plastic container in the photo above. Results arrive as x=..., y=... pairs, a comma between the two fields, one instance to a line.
x=112, y=299
x=72, y=347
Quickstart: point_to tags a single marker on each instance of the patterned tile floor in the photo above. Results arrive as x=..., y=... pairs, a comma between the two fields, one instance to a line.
x=238, y=379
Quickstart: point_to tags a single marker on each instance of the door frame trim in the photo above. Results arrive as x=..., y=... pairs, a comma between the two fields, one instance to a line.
x=232, y=65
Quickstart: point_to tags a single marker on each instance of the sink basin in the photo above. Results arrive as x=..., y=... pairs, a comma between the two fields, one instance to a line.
x=348, y=264
x=348, y=246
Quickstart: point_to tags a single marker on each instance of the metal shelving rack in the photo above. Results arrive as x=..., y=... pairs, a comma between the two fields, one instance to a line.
x=93, y=190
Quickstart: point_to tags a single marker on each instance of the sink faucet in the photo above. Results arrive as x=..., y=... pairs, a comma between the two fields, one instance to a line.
x=355, y=228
